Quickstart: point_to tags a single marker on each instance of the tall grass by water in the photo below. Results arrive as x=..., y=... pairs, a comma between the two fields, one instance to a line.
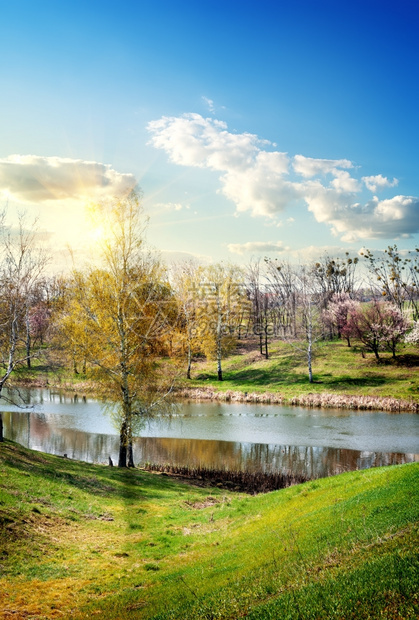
x=244, y=481
x=312, y=400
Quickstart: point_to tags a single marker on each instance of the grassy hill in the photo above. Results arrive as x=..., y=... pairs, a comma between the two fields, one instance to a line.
x=339, y=371
x=337, y=368
x=82, y=541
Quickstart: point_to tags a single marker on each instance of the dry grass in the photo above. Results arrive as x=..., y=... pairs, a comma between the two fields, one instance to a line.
x=325, y=400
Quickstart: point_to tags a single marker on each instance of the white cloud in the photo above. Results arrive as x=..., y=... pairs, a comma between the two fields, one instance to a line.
x=192, y=140
x=261, y=188
x=257, y=179
x=251, y=177
x=257, y=247
x=310, y=167
x=388, y=219
x=30, y=178
x=209, y=103
x=170, y=206
x=378, y=182
x=343, y=182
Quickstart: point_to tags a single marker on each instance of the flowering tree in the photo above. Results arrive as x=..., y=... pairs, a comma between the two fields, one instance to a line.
x=337, y=313
x=39, y=321
x=379, y=325
x=413, y=336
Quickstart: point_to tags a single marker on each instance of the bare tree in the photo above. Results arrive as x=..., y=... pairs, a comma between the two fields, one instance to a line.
x=335, y=276
x=21, y=267
x=309, y=327
x=259, y=298
x=394, y=276
x=298, y=308
x=219, y=310
x=186, y=279
x=282, y=286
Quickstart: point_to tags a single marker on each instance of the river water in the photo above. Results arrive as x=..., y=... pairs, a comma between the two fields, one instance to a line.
x=313, y=442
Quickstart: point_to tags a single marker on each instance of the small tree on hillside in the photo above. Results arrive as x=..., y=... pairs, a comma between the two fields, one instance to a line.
x=337, y=313
x=379, y=326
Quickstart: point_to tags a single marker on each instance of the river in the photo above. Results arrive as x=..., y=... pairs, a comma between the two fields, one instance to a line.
x=313, y=442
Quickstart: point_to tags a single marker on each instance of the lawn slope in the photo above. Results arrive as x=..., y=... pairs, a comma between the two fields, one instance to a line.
x=82, y=541
x=338, y=370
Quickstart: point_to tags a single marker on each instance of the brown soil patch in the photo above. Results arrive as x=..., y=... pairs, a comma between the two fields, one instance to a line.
x=209, y=501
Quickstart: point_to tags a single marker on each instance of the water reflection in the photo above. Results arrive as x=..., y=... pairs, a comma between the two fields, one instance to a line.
x=41, y=431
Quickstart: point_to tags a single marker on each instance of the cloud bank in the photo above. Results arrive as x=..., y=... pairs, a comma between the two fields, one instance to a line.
x=30, y=178
x=257, y=247
x=265, y=182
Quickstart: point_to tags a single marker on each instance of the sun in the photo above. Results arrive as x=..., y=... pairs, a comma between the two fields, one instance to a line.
x=96, y=233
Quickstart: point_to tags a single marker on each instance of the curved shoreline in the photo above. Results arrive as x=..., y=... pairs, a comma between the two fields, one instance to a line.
x=311, y=400
x=324, y=400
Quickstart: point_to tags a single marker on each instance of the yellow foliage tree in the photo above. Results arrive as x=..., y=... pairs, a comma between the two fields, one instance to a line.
x=118, y=317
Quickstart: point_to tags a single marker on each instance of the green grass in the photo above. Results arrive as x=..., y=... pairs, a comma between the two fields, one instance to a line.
x=337, y=368
x=81, y=541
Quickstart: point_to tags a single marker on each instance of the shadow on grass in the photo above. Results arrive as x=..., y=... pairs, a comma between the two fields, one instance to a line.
x=408, y=360
x=342, y=381
x=257, y=377
x=262, y=377
x=99, y=480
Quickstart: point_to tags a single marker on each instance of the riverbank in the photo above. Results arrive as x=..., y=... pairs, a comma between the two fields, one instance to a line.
x=323, y=400
x=204, y=393
x=344, y=378
x=78, y=540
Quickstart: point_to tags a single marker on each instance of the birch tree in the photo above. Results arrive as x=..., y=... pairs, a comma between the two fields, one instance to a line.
x=186, y=281
x=221, y=298
x=117, y=316
x=307, y=318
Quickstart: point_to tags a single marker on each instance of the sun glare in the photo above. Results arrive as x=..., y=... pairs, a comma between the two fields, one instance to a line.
x=96, y=233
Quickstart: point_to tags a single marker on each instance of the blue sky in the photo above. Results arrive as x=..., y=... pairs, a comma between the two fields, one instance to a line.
x=282, y=129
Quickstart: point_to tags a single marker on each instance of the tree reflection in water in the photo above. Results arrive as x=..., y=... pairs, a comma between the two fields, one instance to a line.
x=37, y=431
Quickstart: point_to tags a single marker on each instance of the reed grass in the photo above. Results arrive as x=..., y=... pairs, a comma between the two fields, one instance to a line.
x=243, y=481
x=316, y=400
